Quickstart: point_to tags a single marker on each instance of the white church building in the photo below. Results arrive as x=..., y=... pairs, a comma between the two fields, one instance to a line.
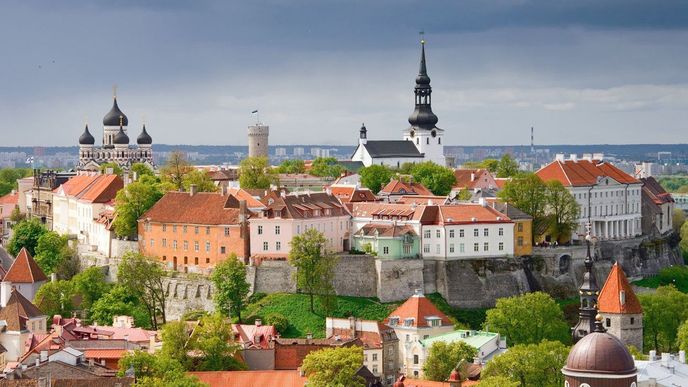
x=422, y=141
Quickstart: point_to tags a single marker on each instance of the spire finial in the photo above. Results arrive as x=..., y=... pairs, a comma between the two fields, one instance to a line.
x=422, y=37
x=114, y=91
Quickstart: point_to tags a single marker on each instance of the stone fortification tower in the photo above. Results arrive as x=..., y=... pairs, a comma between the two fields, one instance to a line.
x=258, y=140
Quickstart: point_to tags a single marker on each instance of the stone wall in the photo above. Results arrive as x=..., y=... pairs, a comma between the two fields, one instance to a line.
x=186, y=294
x=397, y=279
x=356, y=275
x=273, y=277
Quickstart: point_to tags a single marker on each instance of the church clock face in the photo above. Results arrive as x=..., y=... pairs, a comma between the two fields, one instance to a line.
x=433, y=133
x=413, y=133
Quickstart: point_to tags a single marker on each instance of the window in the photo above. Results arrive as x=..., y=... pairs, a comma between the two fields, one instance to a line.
x=476, y=232
x=265, y=246
x=451, y=233
x=374, y=365
x=260, y=230
x=195, y=229
x=365, y=358
x=461, y=233
x=462, y=248
x=164, y=242
x=207, y=230
x=486, y=246
x=426, y=248
x=184, y=229
x=174, y=228
x=375, y=357
x=207, y=260
x=451, y=247
x=196, y=261
x=501, y=231
x=186, y=260
x=476, y=247
x=277, y=230
x=519, y=241
x=196, y=248
x=486, y=232
x=437, y=233
x=226, y=231
x=608, y=322
x=164, y=227
x=632, y=320
x=426, y=234
x=408, y=322
x=385, y=250
x=415, y=360
x=151, y=242
x=501, y=246
x=222, y=250
x=174, y=244
x=186, y=245
x=278, y=245
x=207, y=246
x=437, y=249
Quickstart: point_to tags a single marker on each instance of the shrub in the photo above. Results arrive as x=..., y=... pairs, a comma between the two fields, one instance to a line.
x=255, y=297
x=278, y=321
x=194, y=315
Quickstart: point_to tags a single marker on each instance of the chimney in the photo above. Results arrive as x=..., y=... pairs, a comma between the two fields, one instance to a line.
x=482, y=202
x=38, y=362
x=653, y=355
x=193, y=189
x=102, y=362
x=574, y=157
x=258, y=322
x=559, y=157
x=109, y=171
x=44, y=356
x=476, y=360
x=682, y=357
x=665, y=359
x=244, y=230
x=472, y=176
x=91, y=362
x=309, y=337
x=283, y=193
x=223, y=189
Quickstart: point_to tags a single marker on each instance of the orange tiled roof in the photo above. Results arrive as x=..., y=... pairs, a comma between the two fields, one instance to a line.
x=656, y=192
x=11, y=198
x=422, y=199
x=17, y=311
x=466, y=213
x=92, y=188
x=386, y=230
x=469, y=178
x=353, y=194
x=414, y=212
x=583, y=172
x=201, y=208
x=287, y=378
x=419, y=308
x=501, y=182
x=25, y=270
x=108, y=353
x=241, y=194
x=397, y=187
x=609, y=300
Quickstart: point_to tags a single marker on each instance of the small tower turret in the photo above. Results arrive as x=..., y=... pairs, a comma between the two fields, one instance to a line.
x=363, y=135
x=588, y=293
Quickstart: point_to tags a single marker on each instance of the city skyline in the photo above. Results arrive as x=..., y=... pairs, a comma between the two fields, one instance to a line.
x=576, y=73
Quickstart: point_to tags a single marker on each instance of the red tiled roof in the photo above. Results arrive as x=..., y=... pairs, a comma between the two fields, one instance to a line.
x=11, y=198
x=201, y=208
x=17, y=311
x=247, y=334
x=397, y=187
x=300, y=206
x=92, y=188
x=609, y=300
x=466, y=213
x=353, y=194
x=422, y=199
x=583, y=172
x=656, y=192
x=241, y=194
x=469, y=178
x=386, y=230
x=501, y=182
x=109, y=353
x=419, y=308
x=285, y=378
x=414, y=212
x=25, y=270
x=289, y=353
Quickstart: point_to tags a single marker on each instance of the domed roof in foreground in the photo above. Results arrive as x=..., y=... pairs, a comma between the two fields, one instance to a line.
x=121, y=138
x=86, y=138
x=112, y=118
x=602, y=353
x=144, y=138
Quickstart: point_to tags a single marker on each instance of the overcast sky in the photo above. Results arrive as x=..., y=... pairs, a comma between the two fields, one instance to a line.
x=579, y=71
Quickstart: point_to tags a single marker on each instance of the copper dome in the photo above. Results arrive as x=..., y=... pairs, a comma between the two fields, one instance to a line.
x=600, y=352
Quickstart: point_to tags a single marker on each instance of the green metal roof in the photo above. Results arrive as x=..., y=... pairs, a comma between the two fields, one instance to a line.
x=475, y=339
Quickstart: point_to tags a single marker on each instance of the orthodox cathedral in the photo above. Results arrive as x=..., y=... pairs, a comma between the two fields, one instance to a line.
x=422, y=141
x=115, y=148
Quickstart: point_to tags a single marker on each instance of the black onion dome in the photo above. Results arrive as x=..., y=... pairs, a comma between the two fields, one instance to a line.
x=121, y=138
x=112, y=118
x=144, y=138
x=86, y=138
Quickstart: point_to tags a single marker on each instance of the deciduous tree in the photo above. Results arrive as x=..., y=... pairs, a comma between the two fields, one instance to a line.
x=529, y=194
x=141, y=169
x=562, y=211
x=326, y=167
x=213, y=339
x=174, y=170
x=444, y=357
x=375, y=177
x=314, y=265
x=116, y=169
x=292, y=166
x=663, y=312
x=334, y=367
x=51, y=251
x=175, y=340
x=231, y=287
x=119, y=302
x=90, y=284
x=26, y=234
x=201, y=179
x=507, y=166
x=55, y=298
x=133, y=201
x=527, y=319
x=156, y=370
x=255, y=172
x=530, y=365
x=438, y=179
x=143, y=276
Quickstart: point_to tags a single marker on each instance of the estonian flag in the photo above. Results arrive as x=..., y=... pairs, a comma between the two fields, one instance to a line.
x=254, y=112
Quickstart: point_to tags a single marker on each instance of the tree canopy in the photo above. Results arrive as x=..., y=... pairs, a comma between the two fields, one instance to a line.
x=26, y=234
x=255, y=172
x=663, y=313
x=9, y=177
x=175, y=169
x=231, y=287
x=214, y=341
x=444, y=357
x=527, y=319
x=529, y=365
x=156, y=370
x=120, y=302
x=51, y=251
x=334, y=367
x=133, y=201
x=438, y=179
x=292, y=166
x=116, y=169
x=326, y=167
x=314, y=265
x=199, y=178
x=375, y=177
x=562, y=209
x=143, y=277
x=507, y=167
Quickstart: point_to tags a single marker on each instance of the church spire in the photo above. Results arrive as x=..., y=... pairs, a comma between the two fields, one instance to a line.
x=422, y=116
x=588, y=292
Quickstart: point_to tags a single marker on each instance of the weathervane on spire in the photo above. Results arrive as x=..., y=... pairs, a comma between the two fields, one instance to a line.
x=422, y=37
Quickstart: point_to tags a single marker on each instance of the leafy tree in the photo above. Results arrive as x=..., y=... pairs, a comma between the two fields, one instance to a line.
x=314, y=265
x=214, y=340
x=26, y=234
x=278, y=320
x=201, y=179
x=334, y=367
x=132, y=202
x=175, y=339
x=292, y=166
x=55, y=298
x=255, y=172
x=529, y=365
x=464, y=195
x=678, y=217
x=527, y=319
x=16, y=216
x=174, y=170
x=70, y=266
x=490, y=164
x=375, y=177
x=5, y=188
x=326, y=167
x=156, y=370
x=51, y=251
x=507, y=166
x=91, y=285
x=116, y=169
x=119, y=302
x=141, y=169
x=436, y=178
x=231, y=287
x=444, y=357
x=143, y=276
x=663, y=312
x=529, y=194
x=9, y=177
x=563, y=210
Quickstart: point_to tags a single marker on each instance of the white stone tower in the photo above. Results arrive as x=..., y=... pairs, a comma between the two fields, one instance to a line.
x=258, y=140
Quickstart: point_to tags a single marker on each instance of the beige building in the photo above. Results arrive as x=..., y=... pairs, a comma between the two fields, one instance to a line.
x=258, y=140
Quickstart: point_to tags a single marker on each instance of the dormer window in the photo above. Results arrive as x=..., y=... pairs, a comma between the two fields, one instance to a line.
x=434, y=321
x=394, y=321
x=408, y=322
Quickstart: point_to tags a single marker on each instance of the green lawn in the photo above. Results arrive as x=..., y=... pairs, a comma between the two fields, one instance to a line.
x=673, y=275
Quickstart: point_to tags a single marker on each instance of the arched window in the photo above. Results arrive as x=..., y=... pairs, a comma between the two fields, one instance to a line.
x=427, y=141
x=439, y=140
